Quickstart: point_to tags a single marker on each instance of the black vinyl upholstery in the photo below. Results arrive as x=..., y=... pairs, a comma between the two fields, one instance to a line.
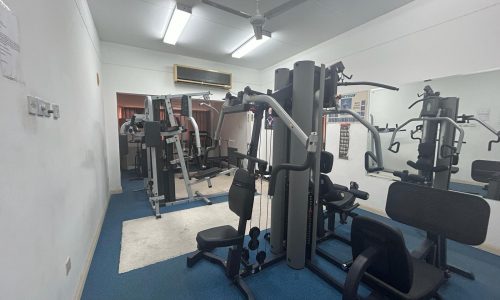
x=457, y=216
x=241, y=196
x=485, y=170
x=212, y=172
x=393, y=271
x=222, y=236
x=326, y=162
x=393, y=264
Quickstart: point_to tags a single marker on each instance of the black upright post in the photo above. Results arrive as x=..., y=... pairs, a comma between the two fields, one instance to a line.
x=254, y=142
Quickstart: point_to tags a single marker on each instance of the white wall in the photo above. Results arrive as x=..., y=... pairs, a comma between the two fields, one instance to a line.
x=53, y=181
x=421, y=40
x=134, y=70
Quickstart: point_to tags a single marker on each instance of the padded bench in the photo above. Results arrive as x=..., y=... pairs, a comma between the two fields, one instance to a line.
x=212, y=172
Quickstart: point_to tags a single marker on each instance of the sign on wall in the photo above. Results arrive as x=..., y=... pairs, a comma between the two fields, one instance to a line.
x=344, y=141
x=355, y=101
x=9, y=43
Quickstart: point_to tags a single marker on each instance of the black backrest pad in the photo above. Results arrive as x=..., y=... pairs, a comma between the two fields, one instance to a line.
x=393, y=264
x=485, y=170
x=241, y=194
x=325, y=185
x=326, y=162
x=184, y=106
x=457, y=216
x=152, y=133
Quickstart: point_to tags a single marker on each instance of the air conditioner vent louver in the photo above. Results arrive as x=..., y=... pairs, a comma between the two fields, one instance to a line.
x=203, y=77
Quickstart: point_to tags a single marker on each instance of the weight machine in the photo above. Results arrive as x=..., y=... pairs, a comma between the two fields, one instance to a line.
x=438, y=155
x=162, y=136
x=296, y=157
x=301, y=98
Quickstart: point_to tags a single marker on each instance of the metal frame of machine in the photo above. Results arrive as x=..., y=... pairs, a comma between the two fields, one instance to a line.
x=296, y=150
x=438, y=149
x=161, y=190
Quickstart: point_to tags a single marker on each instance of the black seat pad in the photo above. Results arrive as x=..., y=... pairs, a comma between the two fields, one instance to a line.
x=222, y=236
x=207, y=173
x=334, y=201
x=425, y=277
x=426, y=281
x=340, y=204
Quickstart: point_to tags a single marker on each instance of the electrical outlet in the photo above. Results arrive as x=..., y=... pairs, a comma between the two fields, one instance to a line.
x=32, y=105
x=68, y=265
x=55, y=111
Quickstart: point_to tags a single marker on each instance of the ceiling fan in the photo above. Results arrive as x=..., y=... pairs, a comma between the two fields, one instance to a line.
x=258, y=19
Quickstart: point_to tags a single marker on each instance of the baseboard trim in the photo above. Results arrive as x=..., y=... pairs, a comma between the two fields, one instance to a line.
x=116, y=191
x=485, y=247
x=88, y=261
x=489, y=248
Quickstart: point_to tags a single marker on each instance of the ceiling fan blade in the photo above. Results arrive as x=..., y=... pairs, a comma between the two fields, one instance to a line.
x=227, y=9
x=282, y=8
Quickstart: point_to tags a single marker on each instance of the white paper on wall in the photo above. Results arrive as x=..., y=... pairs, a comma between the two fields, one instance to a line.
x=9, y=44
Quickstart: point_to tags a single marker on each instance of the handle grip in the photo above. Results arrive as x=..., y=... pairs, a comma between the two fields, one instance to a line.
x=493, y=141
x=360, y=194
x=291, y=167
x=397, y=144
x=368, y=155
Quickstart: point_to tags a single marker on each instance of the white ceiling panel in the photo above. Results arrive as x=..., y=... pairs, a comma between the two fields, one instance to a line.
x=213, y=34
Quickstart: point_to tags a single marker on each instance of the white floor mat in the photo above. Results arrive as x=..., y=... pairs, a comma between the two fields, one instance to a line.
x=146, y=241
x=220, y=184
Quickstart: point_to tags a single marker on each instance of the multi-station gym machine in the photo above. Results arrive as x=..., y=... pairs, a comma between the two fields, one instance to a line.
x=161, y=139
x=301, y=98
x=438, y=155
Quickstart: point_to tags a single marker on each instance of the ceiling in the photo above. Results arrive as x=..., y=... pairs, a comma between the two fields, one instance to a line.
x=213, y=34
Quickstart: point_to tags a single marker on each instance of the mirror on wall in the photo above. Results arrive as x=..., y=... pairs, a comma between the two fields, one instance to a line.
x=478, y=168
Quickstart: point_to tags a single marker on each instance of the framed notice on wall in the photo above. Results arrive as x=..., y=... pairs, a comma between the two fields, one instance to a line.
x=355, y=101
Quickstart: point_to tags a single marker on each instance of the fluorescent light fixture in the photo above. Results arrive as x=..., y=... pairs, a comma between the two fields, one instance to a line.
x=4, y=5
x=179, y=20
x=250, y=45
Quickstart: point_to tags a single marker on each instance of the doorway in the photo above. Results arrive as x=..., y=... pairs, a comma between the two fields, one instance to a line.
x=128, y=105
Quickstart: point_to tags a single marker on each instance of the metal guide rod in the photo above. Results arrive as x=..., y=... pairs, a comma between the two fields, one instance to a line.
x=318, y=127
x=196, y=135
x=446, y=119
x=380, y=85
x=280, y=111
x=207, y=93
x=370, y=127
x=219, y=126
x=495, y=132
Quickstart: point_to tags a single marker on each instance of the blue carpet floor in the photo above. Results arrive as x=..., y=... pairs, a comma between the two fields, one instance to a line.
x=171, y=279
x=468, y=188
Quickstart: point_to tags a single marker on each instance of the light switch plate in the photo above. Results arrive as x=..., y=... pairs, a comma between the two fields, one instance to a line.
x=55, y=111
x=46, y=112
x=68, y=265
x=32, y=105
x=41, y=107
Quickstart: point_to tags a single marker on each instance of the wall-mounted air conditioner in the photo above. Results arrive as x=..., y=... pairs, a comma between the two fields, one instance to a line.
x=200, y=76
